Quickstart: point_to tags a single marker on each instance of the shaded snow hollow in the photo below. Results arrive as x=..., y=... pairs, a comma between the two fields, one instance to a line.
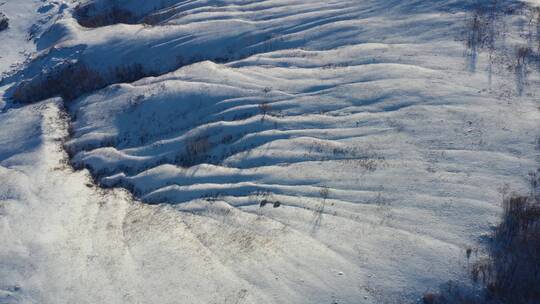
x=291, y=151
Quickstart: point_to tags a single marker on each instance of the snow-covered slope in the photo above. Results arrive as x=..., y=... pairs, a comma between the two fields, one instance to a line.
x=14, y=42
x=221, y=31
x=294, y=151
x=65, y=241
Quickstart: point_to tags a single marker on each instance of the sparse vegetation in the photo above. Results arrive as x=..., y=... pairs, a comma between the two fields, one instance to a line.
x=324, y=192
x=264, y=107
x=510, y=274
x=275, y=204
x=367, y=95
x=486, y=31
x=483, y=30
x=4, y=22
x=87, y=15
x=68, y=82
x=267, y=199
x=196, y=151
x=72, y=80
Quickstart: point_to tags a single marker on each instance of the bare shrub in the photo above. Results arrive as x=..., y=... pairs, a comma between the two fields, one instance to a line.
x=4, y=22
x=88, y=15
x=264, y=107
x=515, y=256
x=482, y=31
x=129, y=73
x=324, y=192
x=196, y=151
x=227, y=139
x=534, y=183
x=198, y=146
x=68, y=82
x=431, y=298
x=72, y=80
x=523, y=56
x=452, y=293
x=510, y=274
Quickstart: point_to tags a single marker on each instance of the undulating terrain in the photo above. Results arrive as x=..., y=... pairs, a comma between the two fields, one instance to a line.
x=259, y=151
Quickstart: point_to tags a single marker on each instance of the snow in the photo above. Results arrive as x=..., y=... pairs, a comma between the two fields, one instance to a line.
x=15, y=45
x=28, y=19
x=379, y=144
x=532, y=2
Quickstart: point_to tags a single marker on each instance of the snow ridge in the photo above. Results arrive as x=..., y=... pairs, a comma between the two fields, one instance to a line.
x=289, y=151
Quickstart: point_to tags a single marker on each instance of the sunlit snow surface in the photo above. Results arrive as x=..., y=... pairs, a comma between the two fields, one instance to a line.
x=387, y=143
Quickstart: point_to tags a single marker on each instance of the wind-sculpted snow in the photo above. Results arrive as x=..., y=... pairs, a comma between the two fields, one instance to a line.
x=220, y=32
x=100, y=13
x=289, y=151
x=65, y=241
x=346, y=116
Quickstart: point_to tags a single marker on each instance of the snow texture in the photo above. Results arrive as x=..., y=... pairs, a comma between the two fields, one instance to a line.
x=299, y=151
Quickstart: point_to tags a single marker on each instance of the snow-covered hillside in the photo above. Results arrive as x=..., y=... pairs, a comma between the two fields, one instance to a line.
x=278, y=151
